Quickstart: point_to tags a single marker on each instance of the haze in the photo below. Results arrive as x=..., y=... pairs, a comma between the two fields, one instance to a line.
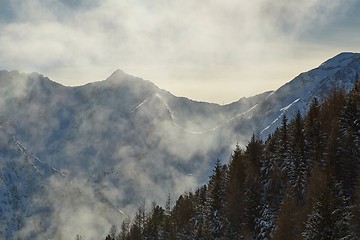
x=212, y=51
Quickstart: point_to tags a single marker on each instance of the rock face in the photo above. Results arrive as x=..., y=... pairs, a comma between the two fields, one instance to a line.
x=74, y=160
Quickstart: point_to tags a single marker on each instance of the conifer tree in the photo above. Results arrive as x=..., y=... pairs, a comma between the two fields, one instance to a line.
x=215, y=202
x=313, y=134
x=299, y=167
x=275, y=170
x=183, y=213
x=153, y=228
x=331, y=217
x=168, y=224
x=124, y=230
x=199, y=219
x=234, y=202
x=252, y=196
x=349, y=147
x=287, y=219
x=137, y=228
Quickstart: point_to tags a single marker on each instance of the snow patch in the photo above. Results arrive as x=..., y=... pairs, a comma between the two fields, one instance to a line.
x=142, y=103
x=166, y=105
x=284, y=109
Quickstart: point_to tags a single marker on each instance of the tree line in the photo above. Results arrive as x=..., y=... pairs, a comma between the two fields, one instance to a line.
x=302, y=182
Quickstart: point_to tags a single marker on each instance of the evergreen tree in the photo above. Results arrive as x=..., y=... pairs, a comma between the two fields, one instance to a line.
x=331, y=218
x=314, y=135
x=215, y=202
x=168, y=224
x=349, y=147
x=201, y=232
x=299, y=167
x=183, y=213
x=252, y=196
x=265, y=224
x=153, y=226
x=254, y=153
x=234, y=202
x=287, y=219
x=274, y=168
x=124, y=230
x=137, y=229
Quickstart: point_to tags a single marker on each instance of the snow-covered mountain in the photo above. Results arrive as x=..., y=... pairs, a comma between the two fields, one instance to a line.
x=74, y=160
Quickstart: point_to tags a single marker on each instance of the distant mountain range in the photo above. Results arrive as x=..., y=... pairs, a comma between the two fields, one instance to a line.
x=96, y=151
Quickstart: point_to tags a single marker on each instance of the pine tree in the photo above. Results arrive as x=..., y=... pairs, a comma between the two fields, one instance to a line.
x=287, y=220
x=265, y=224
x=252, y=196
x=349, y=147
x=153, y=225
x=314, y=135
x=215, y=201
x=168, y=225
x=331, y=217
x=299, y=167
x=234, y=202
x=199, y=219
x=183, y=213
x=254, y=153
x=124, y=230
x=137, y=228
x=275, y=167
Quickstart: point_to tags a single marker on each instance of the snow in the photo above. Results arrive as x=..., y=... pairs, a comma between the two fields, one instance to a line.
x=166, y=105
x=142, y=103
x=340, y=60
x=270, y=95
x=28, y=156
x=284, y=109
x=70, y=150
x=227, y=121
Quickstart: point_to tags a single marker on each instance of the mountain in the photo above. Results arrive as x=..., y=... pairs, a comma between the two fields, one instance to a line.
x=301, y=183
x=338, y=72
x=96, y=151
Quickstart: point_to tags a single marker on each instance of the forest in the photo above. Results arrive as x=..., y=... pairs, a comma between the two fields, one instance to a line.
x=302, y=182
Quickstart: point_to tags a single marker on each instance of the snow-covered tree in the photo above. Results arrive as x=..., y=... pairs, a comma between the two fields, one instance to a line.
x=331, y=217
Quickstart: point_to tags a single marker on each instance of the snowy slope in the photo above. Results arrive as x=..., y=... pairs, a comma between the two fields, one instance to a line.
x=339, y=72
x=106, y=146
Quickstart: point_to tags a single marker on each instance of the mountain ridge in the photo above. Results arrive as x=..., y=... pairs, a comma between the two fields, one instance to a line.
x=123, y=139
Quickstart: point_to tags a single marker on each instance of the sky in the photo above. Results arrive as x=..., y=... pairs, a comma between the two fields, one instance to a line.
x=215, y=51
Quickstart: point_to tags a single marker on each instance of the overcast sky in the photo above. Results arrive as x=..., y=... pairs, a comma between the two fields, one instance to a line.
x=215, y=50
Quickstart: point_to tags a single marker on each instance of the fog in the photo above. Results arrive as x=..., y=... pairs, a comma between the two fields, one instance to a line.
x=93, y=154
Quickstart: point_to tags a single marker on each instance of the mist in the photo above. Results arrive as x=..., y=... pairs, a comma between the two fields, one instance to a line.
x=76, y=160
x=95, y=153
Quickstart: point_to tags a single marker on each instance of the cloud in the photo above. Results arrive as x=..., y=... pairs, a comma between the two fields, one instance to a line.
x=173, y=43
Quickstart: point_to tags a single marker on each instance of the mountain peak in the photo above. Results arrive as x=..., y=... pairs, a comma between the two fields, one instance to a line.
x=118, y=75
x=340, y=60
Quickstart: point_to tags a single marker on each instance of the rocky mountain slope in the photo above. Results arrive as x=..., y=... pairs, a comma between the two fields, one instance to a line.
x=96, y=151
